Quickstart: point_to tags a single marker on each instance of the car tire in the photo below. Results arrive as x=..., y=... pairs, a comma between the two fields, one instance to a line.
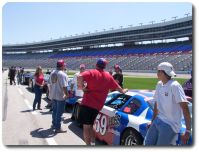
x=131, y=137
x=73, y=112
x=76, y=111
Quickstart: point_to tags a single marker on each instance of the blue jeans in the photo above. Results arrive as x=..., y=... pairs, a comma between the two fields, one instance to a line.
x=58, y=110
x=159, y=133
x=37, y=100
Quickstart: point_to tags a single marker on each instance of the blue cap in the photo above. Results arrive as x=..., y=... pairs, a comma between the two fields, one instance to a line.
x=101, y=63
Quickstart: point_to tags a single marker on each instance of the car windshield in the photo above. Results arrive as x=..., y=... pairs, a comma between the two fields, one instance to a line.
x=111, y=96
x=118, y=101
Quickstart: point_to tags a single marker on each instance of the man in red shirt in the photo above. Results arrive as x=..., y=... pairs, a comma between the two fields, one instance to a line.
x=96, y=84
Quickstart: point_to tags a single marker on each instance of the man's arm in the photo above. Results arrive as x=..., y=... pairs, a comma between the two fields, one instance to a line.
x=65, y=92
x=80, y=83
x=187, y=119
x=155, y=111
x=72, y=86
x=122, y=90
x=73, y=82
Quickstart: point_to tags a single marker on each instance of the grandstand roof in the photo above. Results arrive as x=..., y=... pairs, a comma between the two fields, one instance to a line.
x=171, y=29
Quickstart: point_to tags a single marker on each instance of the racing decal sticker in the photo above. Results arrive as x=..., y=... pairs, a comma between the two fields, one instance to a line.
x=105, y=124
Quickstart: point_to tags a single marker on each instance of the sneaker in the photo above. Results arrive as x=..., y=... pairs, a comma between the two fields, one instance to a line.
x=39, y=108
x=60, y=131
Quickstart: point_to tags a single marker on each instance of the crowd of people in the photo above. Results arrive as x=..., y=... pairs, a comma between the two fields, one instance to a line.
x=93, y=87
x=15, y=74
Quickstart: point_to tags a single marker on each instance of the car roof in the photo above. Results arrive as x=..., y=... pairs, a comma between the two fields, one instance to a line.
x=147, y=93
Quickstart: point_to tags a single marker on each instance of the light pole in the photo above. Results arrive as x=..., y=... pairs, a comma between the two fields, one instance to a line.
x=163, y=20
x=174, y=17
x=152, y=22
x=187, y=14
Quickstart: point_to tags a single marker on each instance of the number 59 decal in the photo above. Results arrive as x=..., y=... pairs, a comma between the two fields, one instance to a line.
x=101, y=124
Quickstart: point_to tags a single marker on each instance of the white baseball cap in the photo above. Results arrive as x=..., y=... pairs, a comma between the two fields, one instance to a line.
x=167, y=68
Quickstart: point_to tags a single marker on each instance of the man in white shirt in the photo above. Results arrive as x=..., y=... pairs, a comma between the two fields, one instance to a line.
x=78, y=93
x=170, y=105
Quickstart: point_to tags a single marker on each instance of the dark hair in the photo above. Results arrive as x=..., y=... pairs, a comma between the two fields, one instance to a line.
x=168, y=77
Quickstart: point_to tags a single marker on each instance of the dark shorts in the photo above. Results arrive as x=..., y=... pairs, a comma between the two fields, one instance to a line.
x=87, y=115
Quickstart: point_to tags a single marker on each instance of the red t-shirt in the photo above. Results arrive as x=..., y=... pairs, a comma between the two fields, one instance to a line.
x=39, y=79
x=99, y=83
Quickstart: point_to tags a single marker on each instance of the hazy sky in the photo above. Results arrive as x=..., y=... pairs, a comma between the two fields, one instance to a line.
x=28, y=22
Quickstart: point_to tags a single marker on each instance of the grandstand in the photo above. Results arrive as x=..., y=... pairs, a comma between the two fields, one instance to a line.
x=131, y=53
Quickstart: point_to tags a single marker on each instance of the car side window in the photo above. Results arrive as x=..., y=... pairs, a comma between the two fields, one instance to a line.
x=132, y=107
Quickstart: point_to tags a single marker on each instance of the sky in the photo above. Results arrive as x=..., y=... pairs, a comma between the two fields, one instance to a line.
x=27, y=22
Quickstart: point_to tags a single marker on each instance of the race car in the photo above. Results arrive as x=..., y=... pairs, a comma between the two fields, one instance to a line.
x=187, y=86
x=124, y=118
x=26, y=77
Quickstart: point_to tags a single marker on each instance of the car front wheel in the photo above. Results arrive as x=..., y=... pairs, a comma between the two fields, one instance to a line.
x=131, y=137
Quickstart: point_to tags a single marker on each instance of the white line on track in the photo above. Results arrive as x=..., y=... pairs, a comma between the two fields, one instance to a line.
x=30, y=107
x=20, y=91
x=50, y=141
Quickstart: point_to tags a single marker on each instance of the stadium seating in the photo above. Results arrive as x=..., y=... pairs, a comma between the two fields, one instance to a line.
x=139, y=57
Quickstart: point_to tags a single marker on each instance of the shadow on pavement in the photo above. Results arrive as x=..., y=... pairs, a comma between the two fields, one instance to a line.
x=29, y=110
x=46, y=113
x=41, y=133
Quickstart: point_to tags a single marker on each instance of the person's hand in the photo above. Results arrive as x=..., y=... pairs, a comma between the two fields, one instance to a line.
x=85, y=87
x=148, y=125
x=125, y=90
x=85, y=90
x=185, y=137
x=65, y=97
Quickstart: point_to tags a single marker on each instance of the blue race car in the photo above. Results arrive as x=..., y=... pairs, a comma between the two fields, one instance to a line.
x=124, y=118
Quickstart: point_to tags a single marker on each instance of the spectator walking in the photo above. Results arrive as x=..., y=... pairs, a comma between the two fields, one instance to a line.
x=18, y=75
x=59, y=93
x=118, y=76
x=39, y=83
x=98, y=83
x=170, y=104
x=12, y=74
